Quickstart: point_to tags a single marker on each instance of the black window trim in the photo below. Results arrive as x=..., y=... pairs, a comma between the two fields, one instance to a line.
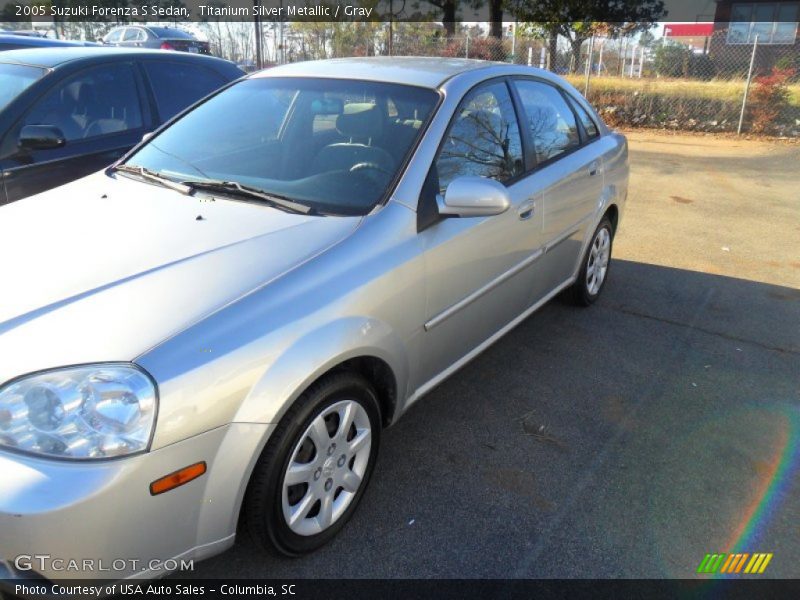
x=584, y=140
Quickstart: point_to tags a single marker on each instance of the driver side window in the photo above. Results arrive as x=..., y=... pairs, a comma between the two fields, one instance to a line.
x=99, y=101
x=484, y=139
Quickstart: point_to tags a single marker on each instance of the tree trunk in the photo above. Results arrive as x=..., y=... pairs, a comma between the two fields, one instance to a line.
x=576, y=44
x=552, y=58
x=496, y=18
x=449, y=18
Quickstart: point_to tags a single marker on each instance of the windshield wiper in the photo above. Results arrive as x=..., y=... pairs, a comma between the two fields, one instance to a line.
x=234, y=187
x=155, y=177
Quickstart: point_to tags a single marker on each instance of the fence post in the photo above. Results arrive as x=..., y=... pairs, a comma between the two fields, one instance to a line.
x=633, y=60
x=530, y=56
x=543, y=58
x=600, y=59
x=514, y=44
x=747, y=85
x=466, y=51
x=641, y=62
x=588, y=67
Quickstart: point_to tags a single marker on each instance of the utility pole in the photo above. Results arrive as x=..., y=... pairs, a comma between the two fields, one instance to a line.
x=257, y=24
x=391, y=26
x=280, y=26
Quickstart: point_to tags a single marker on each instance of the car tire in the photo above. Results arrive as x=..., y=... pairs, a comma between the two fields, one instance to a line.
x=296, y=514
x=596, y=262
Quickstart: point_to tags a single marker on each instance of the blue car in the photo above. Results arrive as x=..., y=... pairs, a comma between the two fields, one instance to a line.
x=68, y=112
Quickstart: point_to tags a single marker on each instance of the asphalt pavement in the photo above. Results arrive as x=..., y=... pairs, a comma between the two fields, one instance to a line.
x=628, y=439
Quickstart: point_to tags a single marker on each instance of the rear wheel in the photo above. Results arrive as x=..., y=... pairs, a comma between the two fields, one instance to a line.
x=594, y=268
x=315, y=467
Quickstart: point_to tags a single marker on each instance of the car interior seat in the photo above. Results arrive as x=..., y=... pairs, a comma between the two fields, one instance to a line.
x=361, y=124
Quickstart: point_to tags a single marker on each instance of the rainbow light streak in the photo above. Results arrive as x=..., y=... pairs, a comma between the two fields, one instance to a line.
x=772, y=486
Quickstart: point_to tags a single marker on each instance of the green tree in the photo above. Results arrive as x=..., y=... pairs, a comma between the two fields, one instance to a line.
x=578, y=20
x=448, y=10
x=647, y=39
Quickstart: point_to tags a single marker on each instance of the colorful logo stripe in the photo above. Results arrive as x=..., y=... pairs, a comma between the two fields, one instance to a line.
x=733, y=563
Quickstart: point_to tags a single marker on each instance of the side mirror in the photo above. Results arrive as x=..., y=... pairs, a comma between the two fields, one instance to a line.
x=473, y=197
x=41, y=137
x=147, y=136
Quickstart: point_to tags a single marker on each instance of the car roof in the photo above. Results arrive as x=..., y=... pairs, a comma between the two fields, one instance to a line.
x=421, y=71
x=39, y=42
x=50, y=58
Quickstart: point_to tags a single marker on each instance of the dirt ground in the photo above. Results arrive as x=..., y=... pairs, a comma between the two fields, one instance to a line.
x=715, y=204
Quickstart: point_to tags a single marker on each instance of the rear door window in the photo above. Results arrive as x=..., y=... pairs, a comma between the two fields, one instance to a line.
x=177, y=85
x=588, y=124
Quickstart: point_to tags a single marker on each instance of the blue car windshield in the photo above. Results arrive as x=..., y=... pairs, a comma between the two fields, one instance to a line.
x=334, y=145
x=15, y=79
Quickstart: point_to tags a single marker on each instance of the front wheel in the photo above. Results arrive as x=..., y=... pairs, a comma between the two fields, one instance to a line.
x=315, y=467
x=594, y=268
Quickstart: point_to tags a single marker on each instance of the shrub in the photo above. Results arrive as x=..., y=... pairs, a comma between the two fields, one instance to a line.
x=672, y=59
x=790, y=61
x=676, y=60
x=702, y=67
x=481, y=48
x=769, y=98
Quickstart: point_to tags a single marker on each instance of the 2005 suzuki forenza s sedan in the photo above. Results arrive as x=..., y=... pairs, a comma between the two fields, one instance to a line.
x=220, y=324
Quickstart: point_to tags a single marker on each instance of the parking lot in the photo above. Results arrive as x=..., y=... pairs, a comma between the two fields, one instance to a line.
x=626, y=440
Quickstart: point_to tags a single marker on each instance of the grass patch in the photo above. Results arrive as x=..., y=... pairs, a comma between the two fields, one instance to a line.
x=730, y=90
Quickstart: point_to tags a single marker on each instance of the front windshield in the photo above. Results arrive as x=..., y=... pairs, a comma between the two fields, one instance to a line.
x=333, y=145
x=15, y=79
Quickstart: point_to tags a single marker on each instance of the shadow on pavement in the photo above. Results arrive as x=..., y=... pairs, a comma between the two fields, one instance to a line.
x=623, y=440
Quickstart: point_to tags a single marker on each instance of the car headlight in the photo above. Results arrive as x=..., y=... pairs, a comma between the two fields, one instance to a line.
x=85, y=412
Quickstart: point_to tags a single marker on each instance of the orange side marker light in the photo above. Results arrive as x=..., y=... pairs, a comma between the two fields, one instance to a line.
x=177, y=479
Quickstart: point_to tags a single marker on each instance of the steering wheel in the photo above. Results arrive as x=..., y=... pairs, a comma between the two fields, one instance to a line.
x=364, y=166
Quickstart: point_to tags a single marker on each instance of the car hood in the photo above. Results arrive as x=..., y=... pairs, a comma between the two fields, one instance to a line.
x=105, y=268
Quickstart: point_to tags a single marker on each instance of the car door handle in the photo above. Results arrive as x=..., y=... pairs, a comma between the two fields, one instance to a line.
x=593, y=169
x=526, y=210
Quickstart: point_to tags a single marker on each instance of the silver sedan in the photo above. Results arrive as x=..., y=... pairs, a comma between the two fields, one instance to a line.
x=221, y=324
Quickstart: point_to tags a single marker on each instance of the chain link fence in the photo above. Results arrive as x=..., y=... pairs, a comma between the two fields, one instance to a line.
x=732, y=80
x=718, y=83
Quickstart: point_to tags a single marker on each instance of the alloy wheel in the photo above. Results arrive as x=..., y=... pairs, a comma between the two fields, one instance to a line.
x=326, y=468
x=597, y=265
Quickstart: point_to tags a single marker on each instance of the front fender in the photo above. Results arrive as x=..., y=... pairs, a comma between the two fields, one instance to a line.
x=314, y=354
